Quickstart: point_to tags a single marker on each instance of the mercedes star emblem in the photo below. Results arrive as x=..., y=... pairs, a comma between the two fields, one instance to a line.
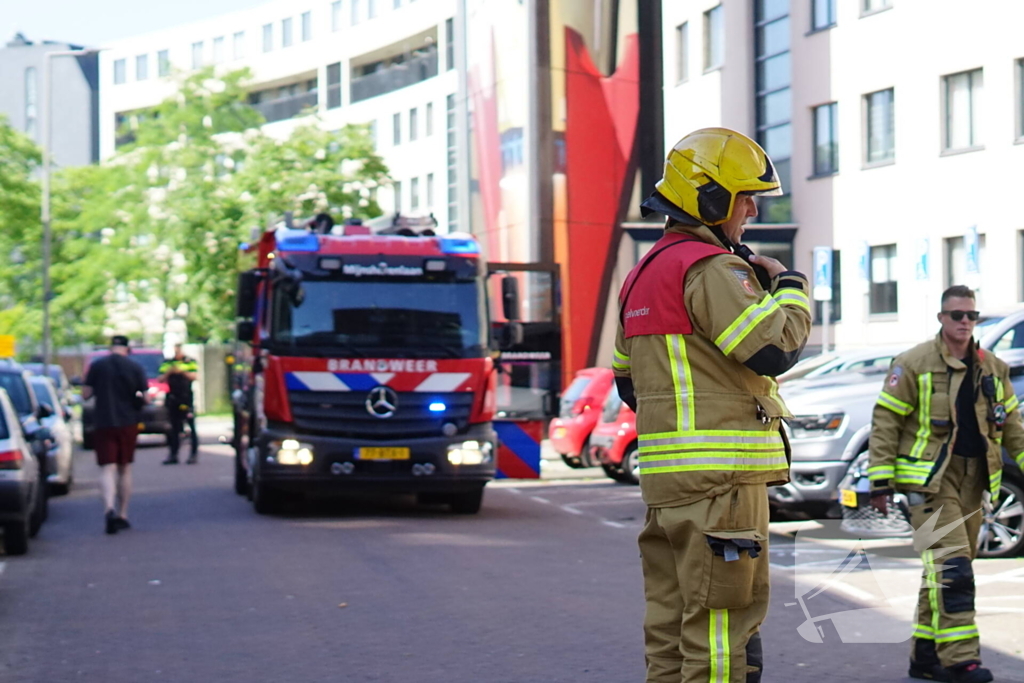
x=382, y=402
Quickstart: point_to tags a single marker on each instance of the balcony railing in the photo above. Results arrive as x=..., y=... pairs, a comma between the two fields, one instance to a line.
x=286, y=107
x=394, y=77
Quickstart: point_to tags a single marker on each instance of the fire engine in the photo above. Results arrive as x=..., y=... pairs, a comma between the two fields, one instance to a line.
x=374, y=365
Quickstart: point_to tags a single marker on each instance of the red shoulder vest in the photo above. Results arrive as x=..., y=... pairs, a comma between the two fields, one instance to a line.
x=651, y=299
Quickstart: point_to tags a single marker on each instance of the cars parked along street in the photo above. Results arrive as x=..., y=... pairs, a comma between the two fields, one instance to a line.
x=580, y=410
x=59, y=460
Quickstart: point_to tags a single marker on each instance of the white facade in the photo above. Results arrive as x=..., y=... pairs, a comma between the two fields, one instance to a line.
x=349, y=33
x=952, y=168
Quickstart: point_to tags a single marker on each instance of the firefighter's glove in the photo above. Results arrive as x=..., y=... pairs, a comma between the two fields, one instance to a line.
x=880, y=501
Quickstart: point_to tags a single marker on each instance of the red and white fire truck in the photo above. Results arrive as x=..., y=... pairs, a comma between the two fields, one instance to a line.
x=375, y=365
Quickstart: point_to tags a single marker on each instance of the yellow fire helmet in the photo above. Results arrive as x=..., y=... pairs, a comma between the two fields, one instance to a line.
x=705, y=171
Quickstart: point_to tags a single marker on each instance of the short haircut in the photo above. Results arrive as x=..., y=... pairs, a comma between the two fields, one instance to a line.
x=957, y=291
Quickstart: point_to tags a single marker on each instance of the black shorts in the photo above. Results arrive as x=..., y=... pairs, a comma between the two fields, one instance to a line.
x=115, y=445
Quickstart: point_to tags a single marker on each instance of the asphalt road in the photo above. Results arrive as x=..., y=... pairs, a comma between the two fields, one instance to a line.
x=543, y=585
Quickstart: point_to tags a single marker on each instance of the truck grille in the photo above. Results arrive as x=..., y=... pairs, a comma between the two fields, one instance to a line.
x=344, y=413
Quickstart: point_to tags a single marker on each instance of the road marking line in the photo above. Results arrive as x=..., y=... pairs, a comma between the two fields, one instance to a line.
x=614, y=525
x=2, y=565
x=571, y=510
x=514, y=490
x=541, y=500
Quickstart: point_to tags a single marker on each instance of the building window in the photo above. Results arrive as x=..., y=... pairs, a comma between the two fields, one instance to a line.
x=962, y=121
x=824, y=12
x=397, y=123
x=449, y=44
x=413, y=124
x=682, y=50
x=141, y=67
x=414, y=194
x=430, y=190
x=835, y=307
x=882, y=292
x=268, y=37
x=218, y=50
x=397, y=189
x=371, y=9
x=1020, y=98
x=773, y=77
x=354, y=11
x=31, y=101
x=334, y=85
x=956, y=261
x=238, y=45
x=871, y=6
x=197, y=55
x=881, y=125
x=398, y=4
x=307, y=26
x=826, y=139
x=119, y=71
x=336, y=15
x=453, y=175
x=286, y=32
x=163, y=63
x=429, y=122
x=714, y=38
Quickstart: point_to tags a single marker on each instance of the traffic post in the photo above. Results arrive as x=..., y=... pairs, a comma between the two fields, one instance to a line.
x=822, y=290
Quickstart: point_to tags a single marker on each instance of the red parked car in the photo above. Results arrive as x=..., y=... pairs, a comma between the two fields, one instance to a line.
x=613, y=442
x=579, y=412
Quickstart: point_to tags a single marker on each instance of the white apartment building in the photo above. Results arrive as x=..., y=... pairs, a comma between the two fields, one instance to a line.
x=389, y=63
x=898, y=129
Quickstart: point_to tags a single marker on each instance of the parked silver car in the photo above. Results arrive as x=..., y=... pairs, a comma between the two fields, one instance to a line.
x=59, y=460
x=21, y=488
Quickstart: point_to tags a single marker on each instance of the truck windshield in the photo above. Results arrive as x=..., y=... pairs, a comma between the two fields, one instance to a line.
x=401, y=319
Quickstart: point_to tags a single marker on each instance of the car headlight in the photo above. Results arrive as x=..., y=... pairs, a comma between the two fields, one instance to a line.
x=470, y=453
x=290, y=452
x=816, y=426
x=156, y=396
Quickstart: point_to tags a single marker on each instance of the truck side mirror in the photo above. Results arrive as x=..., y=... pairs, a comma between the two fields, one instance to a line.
x=245, y=330
x=510, y=336
x=510, y=297
x=245, y=304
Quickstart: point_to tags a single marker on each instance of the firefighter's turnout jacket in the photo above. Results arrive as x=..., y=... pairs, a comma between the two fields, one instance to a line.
x=698, y=346
x=914, y=425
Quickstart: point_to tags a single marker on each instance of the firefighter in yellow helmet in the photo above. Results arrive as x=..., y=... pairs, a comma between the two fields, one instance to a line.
x=699, y=343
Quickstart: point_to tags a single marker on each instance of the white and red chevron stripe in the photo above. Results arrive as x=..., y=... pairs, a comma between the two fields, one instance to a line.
x=313, y=374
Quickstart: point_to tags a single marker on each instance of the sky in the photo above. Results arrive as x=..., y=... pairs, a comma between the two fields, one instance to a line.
x=95, y=22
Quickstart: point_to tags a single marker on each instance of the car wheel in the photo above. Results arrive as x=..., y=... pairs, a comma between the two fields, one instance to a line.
x=586, y=458
x=58, y=489
x=1002, y=529
x=265, y=500
x=467, y=503
x=572, y=461
x=612, y=471
x=38, y=514
x=16, y=538
x=631, y=465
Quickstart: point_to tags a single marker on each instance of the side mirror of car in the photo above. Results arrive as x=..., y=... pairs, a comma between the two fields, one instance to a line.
x=246, y=330
x=45, y=410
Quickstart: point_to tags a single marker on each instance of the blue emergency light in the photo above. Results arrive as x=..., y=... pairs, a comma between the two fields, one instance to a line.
x=459, y=245
x=438, y=407
x=296, y=240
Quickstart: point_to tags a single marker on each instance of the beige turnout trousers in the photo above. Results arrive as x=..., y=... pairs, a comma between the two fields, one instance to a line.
x=706, y=593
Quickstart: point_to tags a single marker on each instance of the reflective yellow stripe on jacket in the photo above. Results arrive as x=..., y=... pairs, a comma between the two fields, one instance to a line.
x=620, y=361
x=894, y=404
x=745, y=324
x=924, y=415
x=793, y=297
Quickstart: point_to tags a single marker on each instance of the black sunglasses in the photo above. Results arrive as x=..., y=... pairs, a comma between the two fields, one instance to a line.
x=959, y=315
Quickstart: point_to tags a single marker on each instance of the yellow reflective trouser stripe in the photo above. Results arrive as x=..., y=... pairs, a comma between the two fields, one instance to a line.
x=924, y=414
x=881, y=472
x=718, y=642
x=1020, y=460
x=933, y=587
x=995, y=481
x=620, y=361
x=948, y=635
x=1011, y=404
x=682, y=381
x=894, y=404
x=793, y=297
x=745, y=324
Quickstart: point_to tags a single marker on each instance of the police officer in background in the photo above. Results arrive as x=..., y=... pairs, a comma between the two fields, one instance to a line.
x=179, y=372
x=945, y=412
x=704, y=328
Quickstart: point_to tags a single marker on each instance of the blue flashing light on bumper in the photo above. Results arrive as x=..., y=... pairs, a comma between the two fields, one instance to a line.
x=297, y=240
x=438, y=407
x=459, y=245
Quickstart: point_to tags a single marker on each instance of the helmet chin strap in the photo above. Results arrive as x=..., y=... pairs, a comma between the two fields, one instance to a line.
x=717, y=231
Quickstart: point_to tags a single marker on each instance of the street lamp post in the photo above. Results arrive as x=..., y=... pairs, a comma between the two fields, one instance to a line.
x=45, y=211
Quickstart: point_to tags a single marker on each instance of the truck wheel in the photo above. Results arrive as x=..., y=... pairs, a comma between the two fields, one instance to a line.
x=265, y=500
x=241, y=479
x=16, y=538
x=467, y=503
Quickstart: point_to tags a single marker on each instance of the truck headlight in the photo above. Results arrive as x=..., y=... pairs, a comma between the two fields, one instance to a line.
x=816, y=426
x=291, y=452
x=469, y=453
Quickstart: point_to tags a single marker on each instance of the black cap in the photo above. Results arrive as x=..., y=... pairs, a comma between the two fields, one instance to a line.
x=119, y=340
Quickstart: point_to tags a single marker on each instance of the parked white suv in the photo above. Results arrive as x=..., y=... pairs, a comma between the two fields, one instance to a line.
x=21, y=487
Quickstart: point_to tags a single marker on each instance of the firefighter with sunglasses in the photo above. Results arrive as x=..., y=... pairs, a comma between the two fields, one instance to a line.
x=945, y=413
x=701, y=337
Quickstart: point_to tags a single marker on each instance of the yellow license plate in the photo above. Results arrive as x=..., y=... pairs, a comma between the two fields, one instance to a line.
x=559, y=433
x=848, y=498
x=382, y=454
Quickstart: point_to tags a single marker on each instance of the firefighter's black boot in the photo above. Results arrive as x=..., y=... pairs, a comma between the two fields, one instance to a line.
x=970, y=672
x=925, y=662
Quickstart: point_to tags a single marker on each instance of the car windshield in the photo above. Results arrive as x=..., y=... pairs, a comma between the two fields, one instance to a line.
x=37, y=369
x=5, y=432
x=612, y=405
x=42, y=388
x=401, y=319
x=17, y=390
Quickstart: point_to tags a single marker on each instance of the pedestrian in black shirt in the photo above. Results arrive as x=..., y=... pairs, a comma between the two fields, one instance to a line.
x=119, y=385
x=179, y=372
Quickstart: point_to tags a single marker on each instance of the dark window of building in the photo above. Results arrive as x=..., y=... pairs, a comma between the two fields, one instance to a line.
x=307, y=26
x=141, y=67
x=773, y=78
x=334, y=85
x=268, y=37
x=414, y=124
x=714, y=38
x=163, y=63
x=872, y=6
x=882, y=291
x=824, y=14
x=336, y=15
x=682, y=52
x=826, y=139
x=414, y=194
x=120, y=71
x=397, y=189
x=962, y=121
x=430, y=190
x=286, y=32
x=197, y=55
x=397, y=122
x=881, y=126
x=449, y=39
x=428, y=122
x=835, y=307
